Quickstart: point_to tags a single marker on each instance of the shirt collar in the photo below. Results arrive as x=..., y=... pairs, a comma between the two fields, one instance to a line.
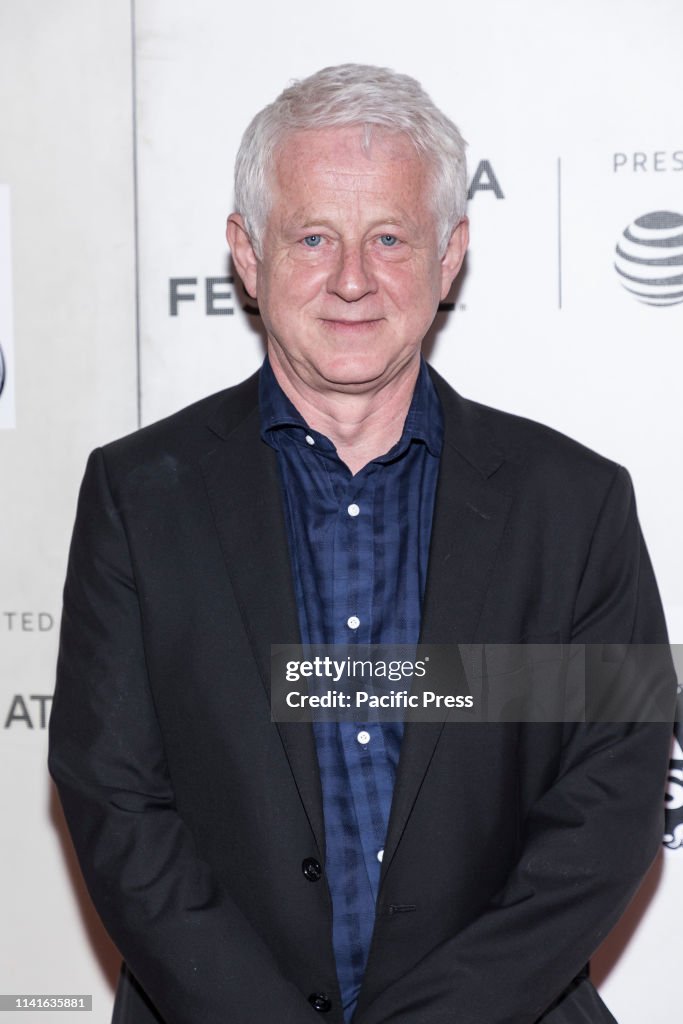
x=424, y=421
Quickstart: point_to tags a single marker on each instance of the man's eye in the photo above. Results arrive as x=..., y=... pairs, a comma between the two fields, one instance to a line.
x=313, y=240
x=388, y=240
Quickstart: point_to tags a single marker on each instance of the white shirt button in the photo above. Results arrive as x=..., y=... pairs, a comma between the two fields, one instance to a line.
x=309, y=439
x=363, y=737
x=353, y=510
x=380, y=855
x=353, y=622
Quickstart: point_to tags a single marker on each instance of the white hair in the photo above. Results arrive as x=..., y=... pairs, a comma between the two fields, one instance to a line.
x=343, y=96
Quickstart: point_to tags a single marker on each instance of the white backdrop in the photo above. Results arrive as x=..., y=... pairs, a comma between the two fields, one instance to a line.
x=119, y=123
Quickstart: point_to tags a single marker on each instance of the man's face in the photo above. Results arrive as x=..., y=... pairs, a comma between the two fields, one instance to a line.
x=351, y=276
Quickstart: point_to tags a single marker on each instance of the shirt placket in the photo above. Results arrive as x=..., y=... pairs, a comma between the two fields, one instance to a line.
x=362, y=743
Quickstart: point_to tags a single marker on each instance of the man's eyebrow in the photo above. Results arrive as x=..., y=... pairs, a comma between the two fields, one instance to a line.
x=300, y=220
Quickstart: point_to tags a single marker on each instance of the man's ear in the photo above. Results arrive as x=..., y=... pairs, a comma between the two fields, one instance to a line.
x=451, y=261
x=243, y=254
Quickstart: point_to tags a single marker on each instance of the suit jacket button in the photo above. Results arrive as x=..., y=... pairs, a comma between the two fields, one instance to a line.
x=311, y=869
x=320, y=1002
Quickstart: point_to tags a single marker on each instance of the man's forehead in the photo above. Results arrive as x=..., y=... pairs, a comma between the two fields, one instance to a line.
x=348, y=149
x=344, y=161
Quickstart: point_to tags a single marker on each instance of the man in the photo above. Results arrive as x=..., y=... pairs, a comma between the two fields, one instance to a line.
x=400, y=874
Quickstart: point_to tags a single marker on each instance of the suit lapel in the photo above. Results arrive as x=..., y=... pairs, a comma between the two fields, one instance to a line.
x=469, y=517
x=241, y=478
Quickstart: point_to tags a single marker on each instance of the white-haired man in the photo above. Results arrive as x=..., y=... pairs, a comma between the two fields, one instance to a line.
x=396, y=873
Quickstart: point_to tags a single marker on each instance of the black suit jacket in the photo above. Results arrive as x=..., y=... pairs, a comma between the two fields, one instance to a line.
x=512, y=849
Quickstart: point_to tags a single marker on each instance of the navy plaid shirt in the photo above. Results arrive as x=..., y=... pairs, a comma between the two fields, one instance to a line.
x=359, y=547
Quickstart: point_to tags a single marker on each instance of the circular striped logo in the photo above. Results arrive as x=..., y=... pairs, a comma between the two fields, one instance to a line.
x=674, y=795
x=649, y=258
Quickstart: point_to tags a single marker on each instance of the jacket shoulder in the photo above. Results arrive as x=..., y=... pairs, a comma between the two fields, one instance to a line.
x=512, y=444
x=187, y=434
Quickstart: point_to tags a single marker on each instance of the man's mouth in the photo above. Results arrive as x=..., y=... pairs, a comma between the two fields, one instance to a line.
x=350, y=325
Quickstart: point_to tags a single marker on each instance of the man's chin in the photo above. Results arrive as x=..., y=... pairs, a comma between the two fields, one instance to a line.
x=356, y=376
x=350, y=369
x=362, y=370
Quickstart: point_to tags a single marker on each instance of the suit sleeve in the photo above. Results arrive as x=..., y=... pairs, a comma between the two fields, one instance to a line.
x=588, y=839
x=188, y=945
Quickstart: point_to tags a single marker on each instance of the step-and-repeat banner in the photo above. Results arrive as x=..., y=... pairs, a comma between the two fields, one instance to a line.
x=119, y=123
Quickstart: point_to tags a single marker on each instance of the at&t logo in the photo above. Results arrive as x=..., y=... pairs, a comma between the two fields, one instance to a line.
x=649, y=258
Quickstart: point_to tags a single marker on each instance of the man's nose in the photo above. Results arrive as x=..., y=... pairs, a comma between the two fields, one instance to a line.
x=352, y=278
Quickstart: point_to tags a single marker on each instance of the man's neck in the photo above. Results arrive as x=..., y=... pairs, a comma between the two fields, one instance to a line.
x=362, y=426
